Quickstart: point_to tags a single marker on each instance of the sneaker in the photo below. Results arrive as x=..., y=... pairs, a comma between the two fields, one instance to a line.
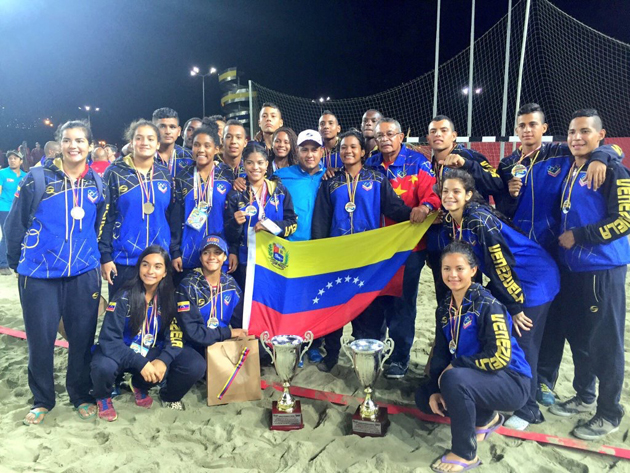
x=516, y=423
x=6, y=272
x=396, y=371
x=314, y=355
x=326, y=365
x=106, y=409
x=300, y=363
x=176, y=405
x=142, y=398
x=545, y=396
x=594, y=429
x=571, y=407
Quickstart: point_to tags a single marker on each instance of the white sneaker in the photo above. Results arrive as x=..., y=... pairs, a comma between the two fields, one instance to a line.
x=516, y=423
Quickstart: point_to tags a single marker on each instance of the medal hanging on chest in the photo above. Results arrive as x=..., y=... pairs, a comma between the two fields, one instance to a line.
x=216, y=299
x=351, y=206
x=571, y=178
x=452, y=345
x=519, y=171
x=203, y=201
x=261, y=198
x=148, y=193
x=77, y=212
x=148, y=333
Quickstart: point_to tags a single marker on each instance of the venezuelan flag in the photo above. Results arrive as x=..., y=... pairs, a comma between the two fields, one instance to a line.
x=321, y=285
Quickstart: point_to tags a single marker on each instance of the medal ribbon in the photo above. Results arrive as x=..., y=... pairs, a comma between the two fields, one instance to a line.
x=215, y=300
x=260, y=201
x=237, y=368
x=146, y=187
x=457, y=227
x=458, y=314
x=575, y=176
x=77, y=199
x=352, y=194
x=201, y=194
x=150, y=321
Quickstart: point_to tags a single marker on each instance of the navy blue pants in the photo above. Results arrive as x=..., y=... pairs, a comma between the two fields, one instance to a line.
x=593, y=312
x=552, y=346
x=472, y=398
x=124, y=274
x=44, y=303
x=530, y=343
x=184, y=371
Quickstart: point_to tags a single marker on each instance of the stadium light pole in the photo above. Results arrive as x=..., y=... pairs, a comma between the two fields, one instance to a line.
x=88, y=109
x=196, y=72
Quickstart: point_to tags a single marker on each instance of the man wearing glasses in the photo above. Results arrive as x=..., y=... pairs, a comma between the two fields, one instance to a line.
x=410, y=174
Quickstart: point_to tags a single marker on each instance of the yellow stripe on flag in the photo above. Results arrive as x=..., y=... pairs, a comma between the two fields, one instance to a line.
x=338, y=253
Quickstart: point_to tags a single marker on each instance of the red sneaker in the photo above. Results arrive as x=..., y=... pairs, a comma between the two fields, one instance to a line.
x=142, y=398
x=106, y=409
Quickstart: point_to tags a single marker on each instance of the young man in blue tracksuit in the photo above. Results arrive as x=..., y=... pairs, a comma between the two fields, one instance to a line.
x=140, y=205
x=533, y=177
x=170, y=154
x=594, y=254
x=201, y=191
x=52, y=232
x=447, y=155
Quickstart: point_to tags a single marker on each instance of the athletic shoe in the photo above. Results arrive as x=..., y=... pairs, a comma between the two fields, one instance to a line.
x=175, y=405
x=516, y=423
x=396, y=371
x=594, y=429
x=142, y=398
x=326, y=365
x=545, y=396
x=314, y=355
x=571, y=407
x=106, y=409
x=6, y=272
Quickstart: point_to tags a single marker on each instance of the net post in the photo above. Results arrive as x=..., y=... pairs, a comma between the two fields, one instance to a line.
x=470, y=70
x=437, y=58
x=519, y=84
x=251, y=110
x=506, y=77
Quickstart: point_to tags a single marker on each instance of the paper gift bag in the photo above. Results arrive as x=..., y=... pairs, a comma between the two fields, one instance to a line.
x=233, y=371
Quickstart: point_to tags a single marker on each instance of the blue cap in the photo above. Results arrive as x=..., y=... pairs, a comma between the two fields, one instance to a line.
x=214, y=240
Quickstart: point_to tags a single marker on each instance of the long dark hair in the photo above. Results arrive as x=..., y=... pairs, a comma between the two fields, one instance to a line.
x=469, y=186
x=136, y=292
x=292, y=156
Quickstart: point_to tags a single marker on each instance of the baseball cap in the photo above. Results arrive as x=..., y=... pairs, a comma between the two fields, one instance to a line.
x=309, y=135
x=214, y=240
x=14, y=153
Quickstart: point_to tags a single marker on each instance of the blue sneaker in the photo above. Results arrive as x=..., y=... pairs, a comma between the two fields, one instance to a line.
x=314, y=355
x=545, y=396
x=396, y=371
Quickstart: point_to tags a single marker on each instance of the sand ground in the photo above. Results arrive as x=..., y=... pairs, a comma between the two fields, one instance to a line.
x=236, y=437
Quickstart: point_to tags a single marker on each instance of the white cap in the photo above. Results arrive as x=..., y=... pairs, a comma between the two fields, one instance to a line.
x=309, y=135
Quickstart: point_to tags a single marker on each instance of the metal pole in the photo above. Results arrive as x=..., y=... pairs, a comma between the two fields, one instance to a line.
x=251, y=111
x=470, y=70
x=505, y=77
x=437, y=58
x=203, y=94
x=520, y=67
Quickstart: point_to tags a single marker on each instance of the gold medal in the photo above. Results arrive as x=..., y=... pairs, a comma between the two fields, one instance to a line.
x=77, y=213
x=148, y=208
x=519, y=171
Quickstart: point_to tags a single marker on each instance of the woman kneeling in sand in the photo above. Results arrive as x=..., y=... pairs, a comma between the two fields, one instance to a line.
x=477, y=366
x=140, y=335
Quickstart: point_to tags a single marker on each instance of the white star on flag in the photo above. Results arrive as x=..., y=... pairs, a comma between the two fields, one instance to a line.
x=316, y=300
x=338, y=281
x=361, y=284
x=355, y=280
x=348, y=278
x=329, y=285
x=321, y=292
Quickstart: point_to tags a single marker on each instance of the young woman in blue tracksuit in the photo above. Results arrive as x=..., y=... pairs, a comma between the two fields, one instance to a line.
x=140, y=335
x=477, y=366
x=201, y=191
x=53, y=248
x=208, y=300
x=523, y=276
x=262, y=199
x=353, y=201
x=140, y=204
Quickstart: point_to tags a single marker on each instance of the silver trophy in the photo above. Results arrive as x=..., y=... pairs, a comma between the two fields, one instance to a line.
x=368, y=357
x=286, y=355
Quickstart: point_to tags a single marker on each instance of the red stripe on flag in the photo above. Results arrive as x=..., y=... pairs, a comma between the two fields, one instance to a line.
x=22, y=335
x=395, y=285
x=320, y=321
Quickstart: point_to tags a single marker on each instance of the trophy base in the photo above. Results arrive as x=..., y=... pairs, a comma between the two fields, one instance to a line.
x=370, y=428
x=281, y=420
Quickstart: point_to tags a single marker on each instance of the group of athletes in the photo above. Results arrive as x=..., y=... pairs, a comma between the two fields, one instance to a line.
x=167, y=227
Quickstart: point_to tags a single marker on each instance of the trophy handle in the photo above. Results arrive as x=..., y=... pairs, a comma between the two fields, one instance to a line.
x=345, y=344
x=308, y=338
x=387, y=352
x=264, y=338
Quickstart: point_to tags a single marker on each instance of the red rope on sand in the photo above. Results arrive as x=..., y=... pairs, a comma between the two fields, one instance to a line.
x=344, y=400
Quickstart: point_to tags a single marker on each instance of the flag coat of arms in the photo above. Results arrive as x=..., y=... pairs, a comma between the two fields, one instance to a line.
x=321, y=285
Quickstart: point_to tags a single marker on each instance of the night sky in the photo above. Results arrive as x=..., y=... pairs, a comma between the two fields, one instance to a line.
x=129, y=57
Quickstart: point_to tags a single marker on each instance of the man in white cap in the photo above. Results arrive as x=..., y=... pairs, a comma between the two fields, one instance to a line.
x=302, y=180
